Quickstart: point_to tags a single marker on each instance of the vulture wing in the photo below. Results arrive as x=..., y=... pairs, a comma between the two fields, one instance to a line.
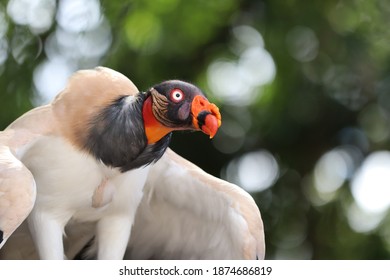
x=188, y=214
x=17, y=185
x=17, y=193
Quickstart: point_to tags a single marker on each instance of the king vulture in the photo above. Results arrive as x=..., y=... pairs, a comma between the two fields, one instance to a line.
x=94, y=165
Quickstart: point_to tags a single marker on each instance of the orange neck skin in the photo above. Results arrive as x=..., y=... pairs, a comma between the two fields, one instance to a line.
x=154, y=130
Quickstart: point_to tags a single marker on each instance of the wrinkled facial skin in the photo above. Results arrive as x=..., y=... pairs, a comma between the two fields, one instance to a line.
x=179, y=96
x=181, y=105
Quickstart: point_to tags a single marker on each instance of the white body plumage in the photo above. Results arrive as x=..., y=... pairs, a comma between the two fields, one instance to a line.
x=68, y=182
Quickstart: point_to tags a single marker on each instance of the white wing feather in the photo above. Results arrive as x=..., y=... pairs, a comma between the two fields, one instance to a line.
x=17, y=185
x=189, y=214
x=17, y=193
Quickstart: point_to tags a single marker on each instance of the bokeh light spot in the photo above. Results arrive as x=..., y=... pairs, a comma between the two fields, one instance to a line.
x=362, y=221
x=302, y=44
x=79, y=15
x=238, y=82
x=371, y=184
x=254, y=171
x=331, y=170
x=37, y=14
x=50, y=78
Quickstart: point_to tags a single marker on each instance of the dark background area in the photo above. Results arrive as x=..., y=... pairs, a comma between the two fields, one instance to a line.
x=303, y=88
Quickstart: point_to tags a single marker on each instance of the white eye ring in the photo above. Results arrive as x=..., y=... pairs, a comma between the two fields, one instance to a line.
x=177, y=95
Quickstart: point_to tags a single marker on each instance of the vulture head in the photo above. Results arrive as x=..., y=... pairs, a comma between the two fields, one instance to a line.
x=177, y=105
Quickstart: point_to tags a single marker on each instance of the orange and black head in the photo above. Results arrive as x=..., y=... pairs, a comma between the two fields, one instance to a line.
x=177, y=105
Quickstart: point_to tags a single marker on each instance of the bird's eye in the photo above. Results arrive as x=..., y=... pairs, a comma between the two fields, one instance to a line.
x=177, y=95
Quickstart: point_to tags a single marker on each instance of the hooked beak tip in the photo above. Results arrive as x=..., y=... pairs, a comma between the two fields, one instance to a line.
x=206, y=116
x=211, y=125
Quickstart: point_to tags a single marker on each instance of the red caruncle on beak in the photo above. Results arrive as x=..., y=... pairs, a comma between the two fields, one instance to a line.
x=205, y=116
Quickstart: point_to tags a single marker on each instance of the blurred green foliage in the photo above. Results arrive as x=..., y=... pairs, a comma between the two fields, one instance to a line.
x=331, y=89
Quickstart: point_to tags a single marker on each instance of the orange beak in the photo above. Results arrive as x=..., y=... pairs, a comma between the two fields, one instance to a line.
x=205, y=116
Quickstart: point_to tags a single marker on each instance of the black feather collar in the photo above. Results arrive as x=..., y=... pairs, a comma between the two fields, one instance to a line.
x=116, y=136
